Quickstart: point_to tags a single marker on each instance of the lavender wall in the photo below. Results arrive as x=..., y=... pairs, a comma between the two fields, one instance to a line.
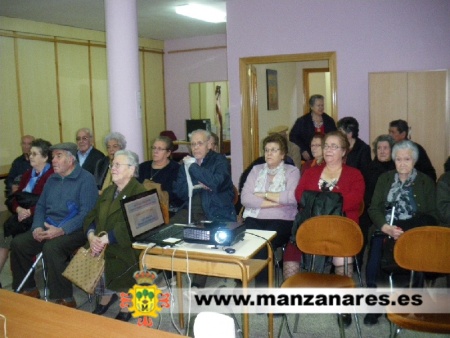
x=368, y=36
x=187, y=65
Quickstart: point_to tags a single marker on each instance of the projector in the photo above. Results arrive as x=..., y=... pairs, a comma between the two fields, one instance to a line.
x=214, y=233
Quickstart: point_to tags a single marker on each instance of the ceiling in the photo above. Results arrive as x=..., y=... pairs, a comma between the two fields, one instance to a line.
x=156, y=18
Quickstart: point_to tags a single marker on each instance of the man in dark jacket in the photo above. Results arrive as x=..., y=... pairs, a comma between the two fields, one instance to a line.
x=213, y=198
x=211, y=172
x=19, y=166
x=87, y=155
x=399, y=129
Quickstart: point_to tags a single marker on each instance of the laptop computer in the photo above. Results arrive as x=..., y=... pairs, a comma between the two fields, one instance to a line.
x=145, y=222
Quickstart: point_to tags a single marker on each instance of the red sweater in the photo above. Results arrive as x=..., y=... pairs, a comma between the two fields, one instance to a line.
x=38, y=188
x=350, y=185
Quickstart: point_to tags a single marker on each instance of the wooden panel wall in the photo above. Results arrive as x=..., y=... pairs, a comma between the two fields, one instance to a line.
x=420, y=98
x=152, y=91
x=50, y=87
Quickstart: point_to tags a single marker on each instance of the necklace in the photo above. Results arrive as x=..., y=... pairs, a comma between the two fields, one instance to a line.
x=317, y=120
x=153, y=173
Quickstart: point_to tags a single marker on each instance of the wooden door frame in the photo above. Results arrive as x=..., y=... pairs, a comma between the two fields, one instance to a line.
x=306, y=93
x=249, y=109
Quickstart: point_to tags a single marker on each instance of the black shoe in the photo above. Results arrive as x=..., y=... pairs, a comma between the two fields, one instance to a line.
x=123, y=316
x=101, y=309
x=346, y=320
x=371, y=319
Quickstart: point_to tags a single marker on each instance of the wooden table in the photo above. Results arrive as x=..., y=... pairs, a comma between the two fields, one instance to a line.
x=30, y=317
x=215, y=262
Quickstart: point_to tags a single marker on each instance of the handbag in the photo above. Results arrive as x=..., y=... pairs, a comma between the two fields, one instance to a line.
x=24, y=199
x=316, y=203
x=85, y=270
x=13, y=227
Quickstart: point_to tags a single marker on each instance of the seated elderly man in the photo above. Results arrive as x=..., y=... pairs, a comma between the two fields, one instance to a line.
x=87, y=155
x=57, y=230
x=211, y=171
x=19, y=166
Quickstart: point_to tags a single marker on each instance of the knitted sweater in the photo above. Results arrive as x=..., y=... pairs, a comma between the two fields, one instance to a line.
x=78, y=187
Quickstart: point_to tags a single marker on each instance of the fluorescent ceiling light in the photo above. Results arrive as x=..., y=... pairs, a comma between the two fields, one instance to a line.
x=201, y=12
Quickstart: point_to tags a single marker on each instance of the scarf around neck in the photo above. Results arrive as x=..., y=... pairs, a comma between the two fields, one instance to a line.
x=278, y=184
x=35, y=178
x=400, y=196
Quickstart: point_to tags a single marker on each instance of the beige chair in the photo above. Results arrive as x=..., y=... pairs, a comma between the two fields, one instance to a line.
x=334, y=236
x=163, y=197
x=424, y=249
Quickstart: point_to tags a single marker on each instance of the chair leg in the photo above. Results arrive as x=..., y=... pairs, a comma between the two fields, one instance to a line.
x=394, y=330
x=341, y=326
x=285, y=322
x=358, y=327
x=358, y=271
x=297, y=319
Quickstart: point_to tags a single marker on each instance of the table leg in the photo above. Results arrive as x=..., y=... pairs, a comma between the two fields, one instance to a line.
x=270, y=269
x=180, y=298
x=245, y=318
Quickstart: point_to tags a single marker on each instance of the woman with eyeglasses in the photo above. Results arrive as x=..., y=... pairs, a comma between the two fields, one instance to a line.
x=121, y=260
x=268, y=195
x=113, y=142
x=22, y=202
x=334, y=176
x=317, y=153
x=162, y=169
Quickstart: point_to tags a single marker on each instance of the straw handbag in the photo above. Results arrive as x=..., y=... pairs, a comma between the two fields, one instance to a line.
x=85, y=270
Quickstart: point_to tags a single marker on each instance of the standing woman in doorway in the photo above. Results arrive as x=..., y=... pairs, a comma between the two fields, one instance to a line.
x=316, y=121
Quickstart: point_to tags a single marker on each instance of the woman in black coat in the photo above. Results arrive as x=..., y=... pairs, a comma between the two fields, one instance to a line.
x=316, y=121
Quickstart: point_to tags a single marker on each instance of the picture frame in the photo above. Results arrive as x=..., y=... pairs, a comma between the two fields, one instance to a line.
x=272, y=89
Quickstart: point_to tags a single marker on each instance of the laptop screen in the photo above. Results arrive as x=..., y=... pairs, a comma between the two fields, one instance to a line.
x=142, y=212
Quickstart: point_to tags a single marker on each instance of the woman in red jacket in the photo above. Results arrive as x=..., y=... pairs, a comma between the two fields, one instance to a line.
x=333, y=176
x=32, y=181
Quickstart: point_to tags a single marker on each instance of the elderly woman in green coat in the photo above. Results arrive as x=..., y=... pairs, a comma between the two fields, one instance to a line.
x=120, y=257
x=412, y=193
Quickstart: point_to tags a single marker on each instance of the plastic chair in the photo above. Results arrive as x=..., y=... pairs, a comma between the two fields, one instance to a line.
x=424, y=249
x=335, y=236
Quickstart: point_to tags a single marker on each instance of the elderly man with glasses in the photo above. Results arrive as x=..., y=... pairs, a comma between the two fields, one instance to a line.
x=210, y=171
x=87, y=155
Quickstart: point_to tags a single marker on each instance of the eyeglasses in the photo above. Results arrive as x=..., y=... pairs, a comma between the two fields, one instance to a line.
x=158, y=149
x=316, y=145
x=117, y=165
x=33, y=153
x=331, y=146
x=272, y=151
x=199, y=143
x=114, y=146
x=84, y=138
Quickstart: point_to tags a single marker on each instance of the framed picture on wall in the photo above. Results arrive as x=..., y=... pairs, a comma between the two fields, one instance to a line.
x=272, y=89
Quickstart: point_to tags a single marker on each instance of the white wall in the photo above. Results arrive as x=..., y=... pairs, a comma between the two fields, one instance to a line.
x=287, y=98
x=367, y=36
x=197, y=59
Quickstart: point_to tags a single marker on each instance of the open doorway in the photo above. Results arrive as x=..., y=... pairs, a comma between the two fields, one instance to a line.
x=252, y=79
